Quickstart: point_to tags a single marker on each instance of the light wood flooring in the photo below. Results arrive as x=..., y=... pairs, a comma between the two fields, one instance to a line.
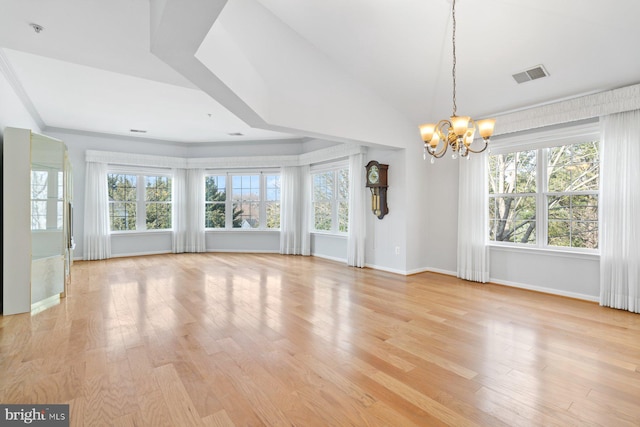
x=252, y=340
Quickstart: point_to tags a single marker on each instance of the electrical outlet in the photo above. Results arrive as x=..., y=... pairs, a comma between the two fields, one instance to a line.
x=397, y=250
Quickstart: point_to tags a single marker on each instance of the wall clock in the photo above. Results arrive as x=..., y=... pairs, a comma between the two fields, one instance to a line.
x=377, y=183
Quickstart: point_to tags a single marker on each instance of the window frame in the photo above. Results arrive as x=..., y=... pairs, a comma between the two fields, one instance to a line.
x=141, y=203
x=335, y=201
x=262, y=174
x=541, y=141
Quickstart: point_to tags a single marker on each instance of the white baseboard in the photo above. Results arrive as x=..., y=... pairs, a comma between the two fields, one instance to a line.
x=544, y=290
x=243, y=251
x=140, y=254
x=387, y=269
x=330, y=258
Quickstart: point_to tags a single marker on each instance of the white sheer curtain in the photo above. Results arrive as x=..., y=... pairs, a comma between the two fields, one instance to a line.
x=194, y=218
x=294, y=210
x=97, y=242
x=357, y=212
x=473, y=254
x=620, y=211
x=180, y=211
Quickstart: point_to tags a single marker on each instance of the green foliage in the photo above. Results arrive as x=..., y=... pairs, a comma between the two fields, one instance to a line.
x=331, y=193
x=215, y=200
x=122, y=194
x=572, y=218
x=158, y=206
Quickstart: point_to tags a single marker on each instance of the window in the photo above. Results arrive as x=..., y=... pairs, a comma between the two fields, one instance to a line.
x=253, y=202
x=215, y=201
x=330, y=200
x=46, y=199
x=139, y=202
x=545, y=197
x=272, y=201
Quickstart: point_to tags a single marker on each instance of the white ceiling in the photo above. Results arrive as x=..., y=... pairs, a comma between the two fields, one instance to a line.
x=285, y=68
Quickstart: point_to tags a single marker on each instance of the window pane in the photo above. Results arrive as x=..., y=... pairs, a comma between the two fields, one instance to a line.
x=559, y=233
x=272, y=185
x=215, y=188
x=273, y=215
x=512, y=219
x=39, y=181
x=60, y=185
x=513, y=172
x=573, y=221
x=122, y=215
x=574, y=167
x=343, y=184
x=246, y=201
x=323, y=184
x=322, y=216
x=38, y=215
x=158, y=216
x=214, y=215
x=122, y=187
x=343, y=216
x=526, y=171
x=246, y=214
x=584, y=234
x=157, y=188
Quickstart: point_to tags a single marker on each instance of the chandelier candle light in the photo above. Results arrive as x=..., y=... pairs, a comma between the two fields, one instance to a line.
x=459, y=131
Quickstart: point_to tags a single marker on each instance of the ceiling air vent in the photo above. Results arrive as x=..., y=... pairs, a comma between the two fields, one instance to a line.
x=534, y=73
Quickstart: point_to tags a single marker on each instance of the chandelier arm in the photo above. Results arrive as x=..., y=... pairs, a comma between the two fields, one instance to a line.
x=486, y=145
x=440, y=153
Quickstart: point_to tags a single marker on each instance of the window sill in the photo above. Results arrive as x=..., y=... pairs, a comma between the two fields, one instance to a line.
x=330, y=234
x=139, y=232
x=546, y=251
x=242, y=230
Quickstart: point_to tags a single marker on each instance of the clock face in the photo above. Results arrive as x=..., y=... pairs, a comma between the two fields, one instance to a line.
x=374, y=175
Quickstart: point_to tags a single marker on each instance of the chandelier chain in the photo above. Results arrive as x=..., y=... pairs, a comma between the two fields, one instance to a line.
x=453, y=70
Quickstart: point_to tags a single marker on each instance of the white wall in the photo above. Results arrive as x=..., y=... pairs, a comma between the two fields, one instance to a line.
x=386, y=238
x=442, y=215
x=561, y=273
x=329, y=246
x=557, y=272
x=419, y=233
x=13, y=113
x=126, y=244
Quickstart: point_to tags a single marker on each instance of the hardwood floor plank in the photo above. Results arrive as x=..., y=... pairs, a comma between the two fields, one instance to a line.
x=181, y=408
x=264, y=339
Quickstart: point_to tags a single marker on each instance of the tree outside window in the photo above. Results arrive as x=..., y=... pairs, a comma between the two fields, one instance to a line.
x=330, y=200
x=122, y=190
x=548, y=193
x=243, y=200
x=139, y=202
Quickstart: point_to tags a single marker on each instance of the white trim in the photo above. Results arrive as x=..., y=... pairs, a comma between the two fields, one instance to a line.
x=132, y=159
x=243, y=251
x=544, y=290
x=330, y=258
x=584, y=107
x=547, y=251
x=140, y=254
x=242, y=162
x=545, y=138
x=387, y=269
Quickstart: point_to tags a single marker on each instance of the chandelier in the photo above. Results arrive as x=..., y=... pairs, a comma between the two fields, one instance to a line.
x=458, y=131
